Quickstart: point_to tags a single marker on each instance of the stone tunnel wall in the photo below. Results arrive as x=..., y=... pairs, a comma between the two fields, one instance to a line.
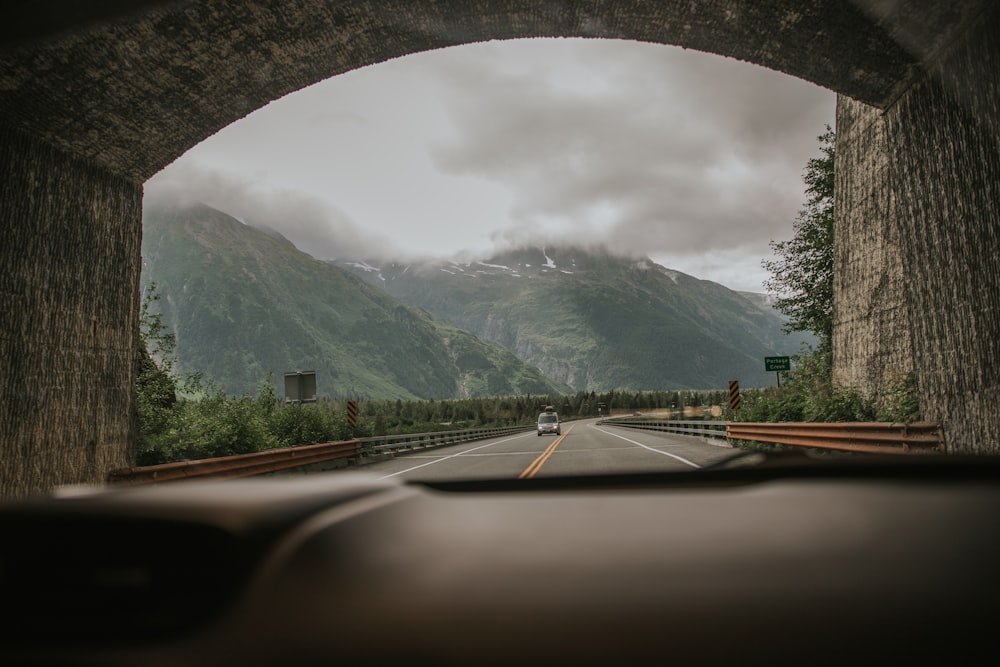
x=926, y=188
x=944, y=138
x=872, y=342
x=69, y=303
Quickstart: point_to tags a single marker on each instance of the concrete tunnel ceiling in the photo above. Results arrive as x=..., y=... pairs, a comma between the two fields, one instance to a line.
x=144, y=82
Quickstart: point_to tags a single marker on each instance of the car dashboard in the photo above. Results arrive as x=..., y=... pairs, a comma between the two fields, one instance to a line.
x=754, y=562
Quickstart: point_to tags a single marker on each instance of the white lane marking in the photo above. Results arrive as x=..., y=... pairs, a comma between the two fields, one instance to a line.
x=673, y=456
x=451, y=456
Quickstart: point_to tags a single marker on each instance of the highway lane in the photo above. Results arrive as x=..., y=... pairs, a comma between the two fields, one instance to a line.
x=584, y=448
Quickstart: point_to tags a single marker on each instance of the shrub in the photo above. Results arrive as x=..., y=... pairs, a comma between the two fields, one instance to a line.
x=209, y=427
x=296, y=424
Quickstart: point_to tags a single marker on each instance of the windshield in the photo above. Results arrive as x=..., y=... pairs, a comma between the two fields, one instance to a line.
x=644, y=231
x=575, y=298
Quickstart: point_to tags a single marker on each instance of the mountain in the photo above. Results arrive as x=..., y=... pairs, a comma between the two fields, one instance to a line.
x=245, y=303
x=598, y=321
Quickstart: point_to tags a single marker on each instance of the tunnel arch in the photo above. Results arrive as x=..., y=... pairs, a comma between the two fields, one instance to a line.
x=136, y=93
x=97, y=97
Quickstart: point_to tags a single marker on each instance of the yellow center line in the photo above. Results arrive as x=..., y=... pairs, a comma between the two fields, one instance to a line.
x=537, y=464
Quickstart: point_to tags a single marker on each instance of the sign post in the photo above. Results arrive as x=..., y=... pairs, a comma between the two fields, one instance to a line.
x=777, y=364
x=300, y=387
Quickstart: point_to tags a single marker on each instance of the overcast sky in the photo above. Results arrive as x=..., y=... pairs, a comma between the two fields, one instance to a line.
x=691, y=159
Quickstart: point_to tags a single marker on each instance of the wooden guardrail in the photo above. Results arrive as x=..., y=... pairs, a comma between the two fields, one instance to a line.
x=239, y=465
x=869, y=437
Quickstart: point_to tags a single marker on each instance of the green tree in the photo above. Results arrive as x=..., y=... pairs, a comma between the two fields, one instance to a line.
x=802, y=273
x=156, y=383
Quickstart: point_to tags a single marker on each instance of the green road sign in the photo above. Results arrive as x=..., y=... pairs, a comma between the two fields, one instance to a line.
x=777, y=364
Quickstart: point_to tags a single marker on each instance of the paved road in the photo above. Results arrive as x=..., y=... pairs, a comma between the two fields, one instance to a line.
x=583, y=448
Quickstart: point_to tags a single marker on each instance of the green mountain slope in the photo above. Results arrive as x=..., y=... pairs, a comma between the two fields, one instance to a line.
x=244, y=304
x=597, y=321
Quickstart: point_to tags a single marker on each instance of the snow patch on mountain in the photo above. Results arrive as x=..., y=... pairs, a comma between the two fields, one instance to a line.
x=365, y=266
x=494, y=266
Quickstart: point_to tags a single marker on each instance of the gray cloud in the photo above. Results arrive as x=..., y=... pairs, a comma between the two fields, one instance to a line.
x=668, y=147
x=311, y=223
x=692, y=159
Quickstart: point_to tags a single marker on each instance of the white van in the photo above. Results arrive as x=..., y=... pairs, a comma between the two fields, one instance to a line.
x=548, y=422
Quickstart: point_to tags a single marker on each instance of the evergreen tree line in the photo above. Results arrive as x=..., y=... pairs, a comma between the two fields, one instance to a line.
x=389, y=417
